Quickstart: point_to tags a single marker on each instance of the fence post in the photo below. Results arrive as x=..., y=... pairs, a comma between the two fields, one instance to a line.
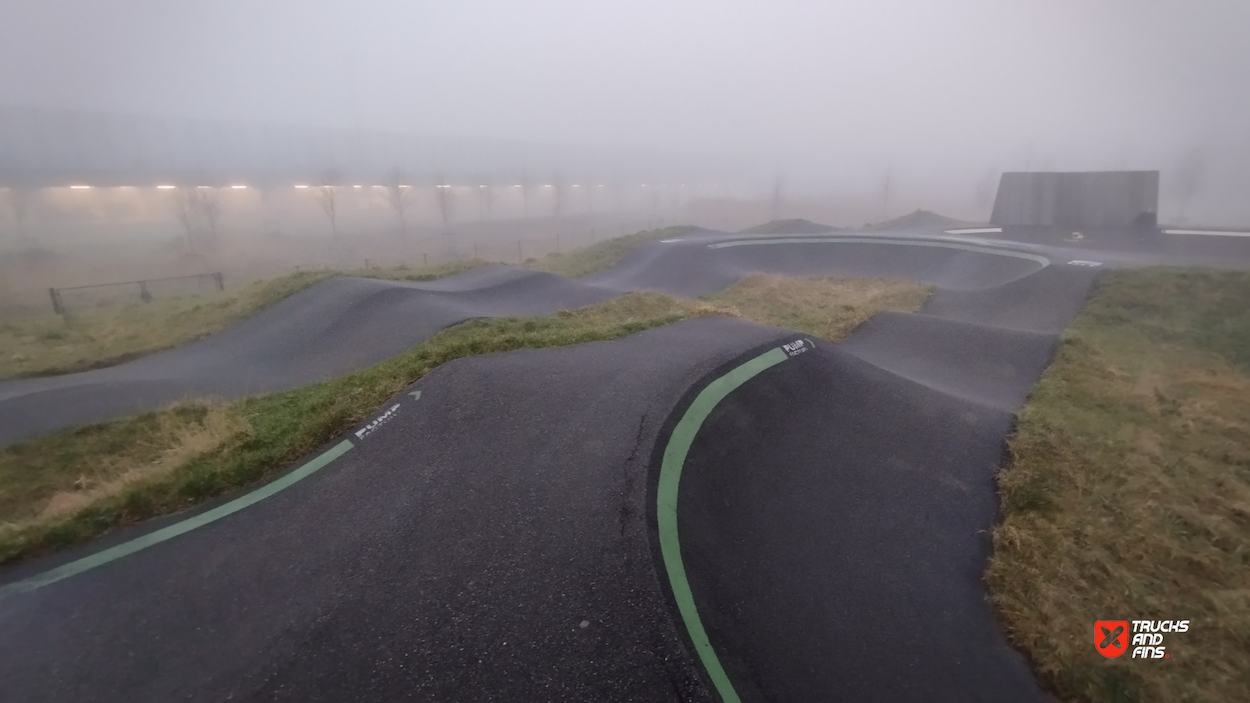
x=144, y=295
x=366, y=263
x=425, y=260
x=57, y=307
x=217, y=279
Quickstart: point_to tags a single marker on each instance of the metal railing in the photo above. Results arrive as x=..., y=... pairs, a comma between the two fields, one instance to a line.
x=144, y=292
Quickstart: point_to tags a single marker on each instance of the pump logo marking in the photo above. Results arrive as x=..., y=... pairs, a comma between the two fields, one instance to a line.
x=797, y=347
x=377, y=422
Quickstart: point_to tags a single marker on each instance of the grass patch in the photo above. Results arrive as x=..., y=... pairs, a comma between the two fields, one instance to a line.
x=93, y=338
x=829, y=308
x=1127, y=495
x=601, y=255
x=73, y=485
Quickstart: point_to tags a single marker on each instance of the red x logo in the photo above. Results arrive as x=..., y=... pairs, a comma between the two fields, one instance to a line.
x=1111, y=637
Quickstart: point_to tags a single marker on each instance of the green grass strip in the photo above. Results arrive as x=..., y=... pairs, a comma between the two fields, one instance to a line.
x=178, y=528
x=666, y=507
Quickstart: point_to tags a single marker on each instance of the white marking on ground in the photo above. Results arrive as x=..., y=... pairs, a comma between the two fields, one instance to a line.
x=897, y=241
x=377, y=422
x=1082, y=262
x=976, y=230
x=1207, y=232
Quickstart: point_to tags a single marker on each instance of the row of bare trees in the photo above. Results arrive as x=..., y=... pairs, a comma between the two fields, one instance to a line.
x=199, y=209
x=399, y=195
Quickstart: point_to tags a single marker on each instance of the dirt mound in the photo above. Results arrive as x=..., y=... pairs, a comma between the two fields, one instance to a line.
x=790, y=227
x=921, y=218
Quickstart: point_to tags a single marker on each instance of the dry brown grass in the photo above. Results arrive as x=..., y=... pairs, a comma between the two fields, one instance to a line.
x=51, y=477
x=174, y=442
x=829, y=308
x=94, y=337
x=1128, y=493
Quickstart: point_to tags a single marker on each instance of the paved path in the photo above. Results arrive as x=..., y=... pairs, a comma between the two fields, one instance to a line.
x=350, y=323
x=710, y=510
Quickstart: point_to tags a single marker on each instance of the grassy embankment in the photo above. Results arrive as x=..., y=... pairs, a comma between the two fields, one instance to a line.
x=601, y=255
x=69, y=486
x=49, y=344
x=1127, y=495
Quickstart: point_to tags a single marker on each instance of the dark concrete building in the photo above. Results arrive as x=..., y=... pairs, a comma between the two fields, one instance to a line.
x=1078, y=199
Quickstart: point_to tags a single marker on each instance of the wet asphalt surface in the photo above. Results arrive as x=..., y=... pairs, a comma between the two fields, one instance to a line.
x=495, y=540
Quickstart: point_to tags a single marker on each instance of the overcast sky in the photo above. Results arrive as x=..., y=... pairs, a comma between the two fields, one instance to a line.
x=927, y=85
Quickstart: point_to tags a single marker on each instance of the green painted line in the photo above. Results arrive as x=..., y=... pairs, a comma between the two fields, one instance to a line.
x=666, y=507
x=156, y=537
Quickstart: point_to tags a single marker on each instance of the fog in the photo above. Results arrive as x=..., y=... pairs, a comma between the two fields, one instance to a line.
x=805, y=108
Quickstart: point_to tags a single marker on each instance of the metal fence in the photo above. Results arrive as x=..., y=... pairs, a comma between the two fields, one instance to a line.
x=102, y=294
x=66, y=299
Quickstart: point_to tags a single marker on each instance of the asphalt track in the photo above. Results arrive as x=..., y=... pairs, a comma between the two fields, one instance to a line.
x=688, y=513
x=336, y=326
x=350, y=323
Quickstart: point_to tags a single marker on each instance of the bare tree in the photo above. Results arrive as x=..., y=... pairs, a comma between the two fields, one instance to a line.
x=327, y=197
x=775, y=213
x=1189, y=174
x=987, y=188
x=525, y=192
x=184, y=203
x=199, y=211
x=191, y=215
x=19, y=202
x=208, y=200
x=399, y=196
x=487, y=195
x=269, y=222
x=885, y=196
x=442, y=193
x=557, y=187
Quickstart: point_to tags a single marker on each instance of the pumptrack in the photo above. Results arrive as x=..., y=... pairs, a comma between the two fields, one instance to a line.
x=711, y=510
